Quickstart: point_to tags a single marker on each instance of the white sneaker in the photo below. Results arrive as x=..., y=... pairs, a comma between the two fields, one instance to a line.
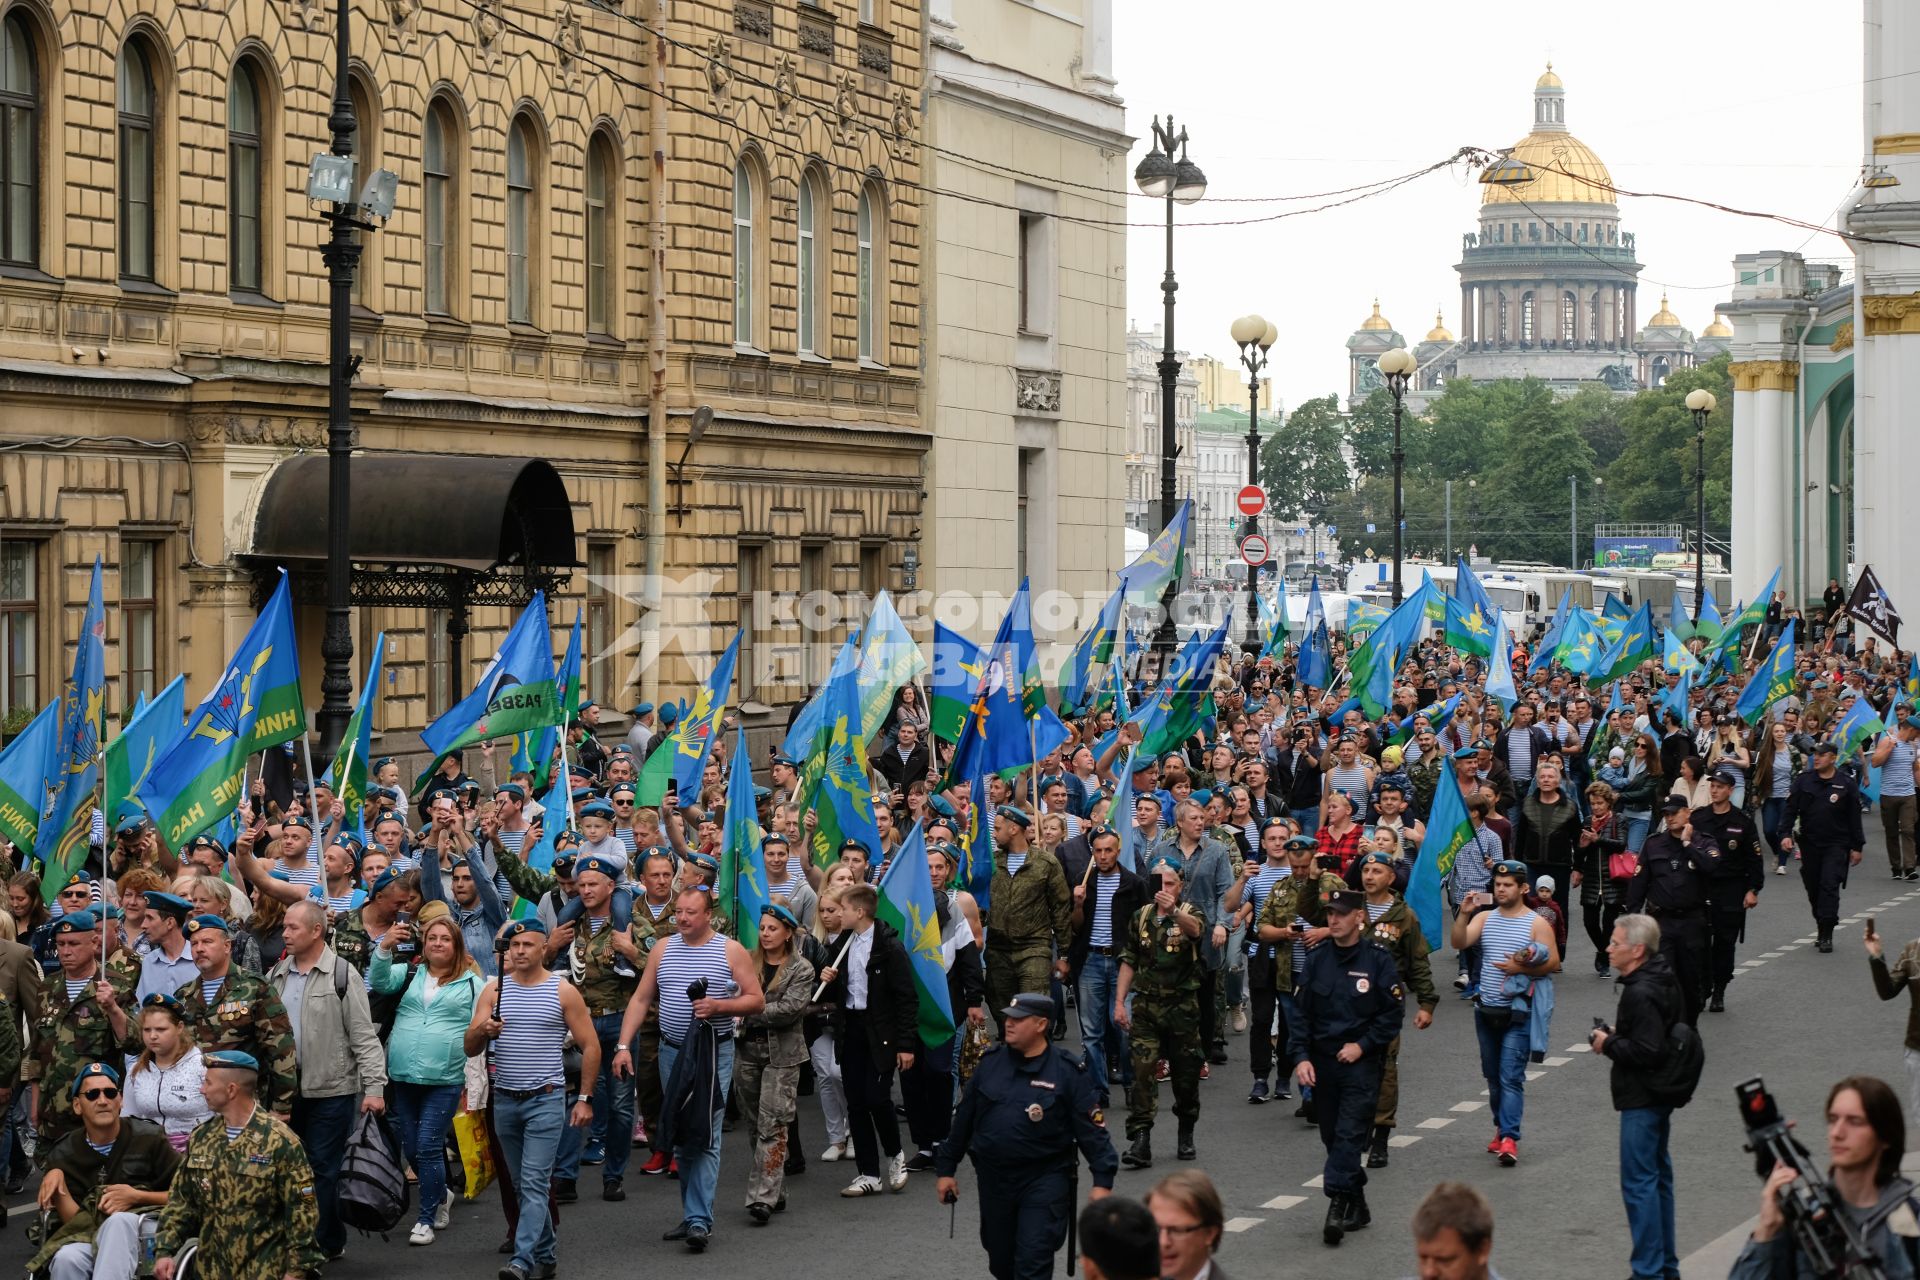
x=897, y=1172
x=421, y=1234
x=838, y=1151
x=864, y=1185
x=444, y=1214
x=1780, y=870
x=1460, y=983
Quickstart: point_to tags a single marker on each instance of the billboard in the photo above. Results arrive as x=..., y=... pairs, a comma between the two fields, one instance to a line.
x=1631, y=553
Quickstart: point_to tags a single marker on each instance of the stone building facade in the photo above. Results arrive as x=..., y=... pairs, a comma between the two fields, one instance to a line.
x=163, y=320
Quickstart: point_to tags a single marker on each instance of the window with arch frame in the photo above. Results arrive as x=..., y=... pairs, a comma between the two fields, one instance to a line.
x=19, y=141
x=523, y=150
x=870, y=234
x=245, y=131
x=135, y=102
x=603, y=187
x=438, y=196
x=746, y=200
x=812, y=213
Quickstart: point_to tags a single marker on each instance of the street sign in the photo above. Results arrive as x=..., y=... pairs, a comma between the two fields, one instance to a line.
x=1301, y=532
x=1253, y=500
x=1253, y=549
x=1320, y=556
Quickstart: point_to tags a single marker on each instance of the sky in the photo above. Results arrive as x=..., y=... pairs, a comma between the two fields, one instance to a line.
x=1283, y=99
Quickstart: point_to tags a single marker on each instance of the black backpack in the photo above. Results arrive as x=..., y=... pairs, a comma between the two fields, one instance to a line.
x=372, y=1193
x=1673, y=1079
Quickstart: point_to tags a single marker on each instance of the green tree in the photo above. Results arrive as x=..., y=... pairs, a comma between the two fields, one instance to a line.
x=1652, y=479
x=1301, y=466
x=1596, y=412
x=1370, y=434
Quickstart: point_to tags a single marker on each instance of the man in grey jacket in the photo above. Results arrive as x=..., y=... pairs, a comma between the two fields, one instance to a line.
x=341, y=1061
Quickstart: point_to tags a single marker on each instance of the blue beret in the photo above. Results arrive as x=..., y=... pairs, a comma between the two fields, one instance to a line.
x=297, y=820
x=761, y=793
x=641, y=708
x=513, y=789
x=942, y=806
x=594, y=862
x=385, y=878
x=113, y=912
x=350, y=842
x=76, y=922
x=92, y=1069
x=787, y=760
x=1202, y=796
x=82, y=876
x=1376, y=858
x=861, y=845
x=130, y=823
x=1165, y=860
x=514, y=929
x=597, y=809
x=1012, y=814
x=780, y=912
x=669, y=713
x=774, y=837
x=705, y=861
x=173, y=904
x=232, y=1060
x=622, y=788
x=207, y=842
x=205, y=920
x=1301, y=842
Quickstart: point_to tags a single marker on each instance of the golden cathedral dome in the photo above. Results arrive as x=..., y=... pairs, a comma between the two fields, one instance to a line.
x=1375, y=323
x=1663, y=318
x=1439, y=332
x=1565, y=169
x=1718, y=329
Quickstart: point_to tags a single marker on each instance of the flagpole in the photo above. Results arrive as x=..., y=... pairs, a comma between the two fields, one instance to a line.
x=306, y=750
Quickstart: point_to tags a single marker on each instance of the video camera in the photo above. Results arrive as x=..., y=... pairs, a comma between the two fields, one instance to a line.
x=1821, y=1227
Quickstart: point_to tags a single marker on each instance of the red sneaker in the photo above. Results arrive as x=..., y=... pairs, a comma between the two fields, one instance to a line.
x=673, y=1168
x=1204, y=1073
x=656, y=1163
x=1162, y=1070
x=1493, y=1147
x=1509, y=1153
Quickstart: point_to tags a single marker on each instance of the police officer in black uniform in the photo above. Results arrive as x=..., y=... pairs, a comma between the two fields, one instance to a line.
x=1824, y=806
x=1025, y=1109
x=1733, y=887
x=1676, y=864
x=1350, y=1007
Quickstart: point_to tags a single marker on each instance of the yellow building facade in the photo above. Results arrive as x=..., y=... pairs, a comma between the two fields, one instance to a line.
x=612, y=223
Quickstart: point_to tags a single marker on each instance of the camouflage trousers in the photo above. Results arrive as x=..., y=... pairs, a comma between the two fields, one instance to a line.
x=1386, y=1110
x=1010, y=974
x=1169, y=1030
x=768, y=1096
x=647, y=1095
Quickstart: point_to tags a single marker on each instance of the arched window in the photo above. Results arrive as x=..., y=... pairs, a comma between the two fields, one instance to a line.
x=137, y=129
x=1526, y=317
x=19, y=143
x=871, y=233
x=602, y=192
x=439, y=196
x=1569, y=314
x=745, y=199
x=366, y=155
x=522, y=149
x=243, y=180
x=811, y=216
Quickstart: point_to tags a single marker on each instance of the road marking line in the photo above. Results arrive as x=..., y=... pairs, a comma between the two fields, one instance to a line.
x=1284, y=1202
x=1466, y=1108
x=1241, y=1224
x=1555, y=1062
x=1790, y=946
x=1315, y=1181
x=1535, y=1075
x=1403, y=1139
x=1435, y=1122
x=1771, y=955
x=1572, y=1048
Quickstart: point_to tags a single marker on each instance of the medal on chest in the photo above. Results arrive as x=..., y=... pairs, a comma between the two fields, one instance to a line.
x=1035, y=1111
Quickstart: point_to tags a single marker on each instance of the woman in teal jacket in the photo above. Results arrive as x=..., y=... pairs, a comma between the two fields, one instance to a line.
x=426, y=1063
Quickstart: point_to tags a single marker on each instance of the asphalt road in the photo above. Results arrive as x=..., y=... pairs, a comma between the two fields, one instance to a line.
x=1799, y=1018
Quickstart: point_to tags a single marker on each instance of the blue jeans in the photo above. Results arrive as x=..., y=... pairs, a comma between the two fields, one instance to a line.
x=529, y=1130
x=612, y=1112
x=1646, y=1186
x=1098, y=977
x=1636, y=830
x=1503, y=1061
x=699, y=1170
x=423, y=1113
x=323, y=1126
x=1773, y=821
x=1309, y=820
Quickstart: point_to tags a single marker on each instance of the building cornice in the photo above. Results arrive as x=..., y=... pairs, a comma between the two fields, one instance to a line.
x=1765, y=375
x=1072, y=113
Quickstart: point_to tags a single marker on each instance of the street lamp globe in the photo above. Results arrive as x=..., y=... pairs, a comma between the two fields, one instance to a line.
x=1700, y=400
x=1154, y=174
x=1397, y=363
x=1248, y=330
x=1268, y=338
x=1189, y=184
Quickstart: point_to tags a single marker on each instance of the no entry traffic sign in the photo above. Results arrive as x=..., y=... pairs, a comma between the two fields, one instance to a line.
x=1253, y=500
x=1253, y=549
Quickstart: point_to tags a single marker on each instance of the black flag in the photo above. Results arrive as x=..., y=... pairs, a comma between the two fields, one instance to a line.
x=1870, y=605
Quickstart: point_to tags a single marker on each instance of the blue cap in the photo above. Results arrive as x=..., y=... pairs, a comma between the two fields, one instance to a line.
x=641, y=709
x=232, y=1060
x=942, y=806
x=350, y=842
x=787, y=760
x=622, y=788
x=774, y=837
x=705, y=861
x=669, y=713
x=170, y=903
x=297, y=820
x=92, y=1069
x=513, y=789
x=1030, y=1004
x=1166, y=860
x=76, y=922
x=1202, y=796
x=1376, y=858
x=207, y=842
x=82, y=876
x=517, y=927
x=1012, y=814
x=851, y=843
x=594, y=862
x=761, y=793
x=130, y=823
x=597, y=809
x=385, y=878
x=204, y=921
x=1301, y=842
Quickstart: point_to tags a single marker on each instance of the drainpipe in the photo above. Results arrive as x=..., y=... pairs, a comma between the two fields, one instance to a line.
x=650, y=593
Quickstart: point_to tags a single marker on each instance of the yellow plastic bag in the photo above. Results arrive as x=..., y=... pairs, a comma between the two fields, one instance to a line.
x=476, y=1157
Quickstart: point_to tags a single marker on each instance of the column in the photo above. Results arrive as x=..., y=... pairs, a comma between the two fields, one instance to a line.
x=1467, y=314
x=1763, y=392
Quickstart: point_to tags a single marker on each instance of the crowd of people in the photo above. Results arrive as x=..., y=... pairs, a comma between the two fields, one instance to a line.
x=194, y=1033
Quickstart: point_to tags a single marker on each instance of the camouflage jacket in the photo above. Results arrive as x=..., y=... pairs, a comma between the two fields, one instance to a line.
x=1031, y=912
x=247, y=1015
x=250, y=1202
x=10, y=1050
x=69, y=1035
x=1301, y=897
x=351, y=941
x=1399, y=932
x=1166, y=963
x=593, y=956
